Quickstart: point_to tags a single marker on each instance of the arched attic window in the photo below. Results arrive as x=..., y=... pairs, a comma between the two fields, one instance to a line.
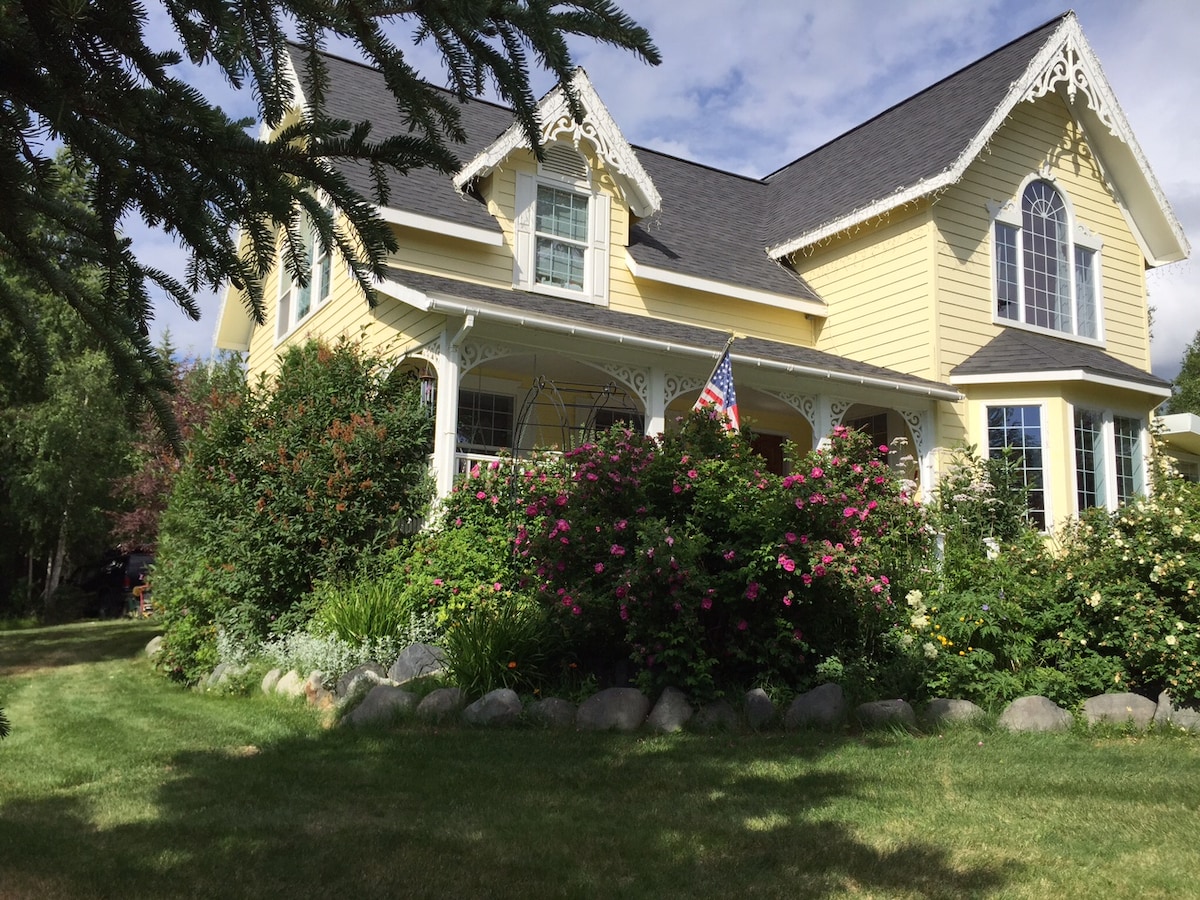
x=1047, y=273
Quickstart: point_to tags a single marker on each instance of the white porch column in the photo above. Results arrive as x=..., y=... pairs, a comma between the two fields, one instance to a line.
x=656, y=402
x=445, y=436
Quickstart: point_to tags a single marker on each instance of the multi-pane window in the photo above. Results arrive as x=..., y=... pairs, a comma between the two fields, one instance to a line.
x=1089, y=459
x=1018, y=430
x=1106, y=444
x=485, y=421
x=297, y=300
x=1044, y=278
x=1127, y=437
x=560, y=237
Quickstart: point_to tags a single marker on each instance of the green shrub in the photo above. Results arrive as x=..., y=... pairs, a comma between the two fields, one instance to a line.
x=501, y=643
x=364, y=609
x=289, y=483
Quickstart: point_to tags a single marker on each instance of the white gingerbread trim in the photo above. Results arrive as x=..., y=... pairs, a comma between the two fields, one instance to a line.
x=597, y=129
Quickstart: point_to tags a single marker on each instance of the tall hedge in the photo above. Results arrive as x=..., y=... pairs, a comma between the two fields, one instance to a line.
x=292, y=480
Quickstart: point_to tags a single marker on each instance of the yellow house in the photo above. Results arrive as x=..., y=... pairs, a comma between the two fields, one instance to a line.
x=968, y=266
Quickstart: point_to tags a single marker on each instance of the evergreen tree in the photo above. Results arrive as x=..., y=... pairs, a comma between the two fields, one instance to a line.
x=82, y=73
x=1186, y=390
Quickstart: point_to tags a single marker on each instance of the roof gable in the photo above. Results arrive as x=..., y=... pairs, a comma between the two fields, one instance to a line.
x=926, y=143
x=596, y=128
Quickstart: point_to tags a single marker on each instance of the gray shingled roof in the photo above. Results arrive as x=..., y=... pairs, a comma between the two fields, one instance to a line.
x=685, y=237
x=1016, y=352
x=590, y=315
x=914, y=140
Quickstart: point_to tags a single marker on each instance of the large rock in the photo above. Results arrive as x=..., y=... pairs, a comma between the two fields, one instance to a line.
x=1120, y=709
x=290, y=685
x=270, y=680
x=670, y=713
x=371, y=671
x=758, y=708
x=716, y=716
x=155, y=646
x=880, y=713
x=552, y=712
x=1035, y=714
x=1168, y=714
x=383, y=704
x=499, y=707
x=945, y=711
x=417, y=661
x=822, y=707
x=440, y=705
x=622, y=709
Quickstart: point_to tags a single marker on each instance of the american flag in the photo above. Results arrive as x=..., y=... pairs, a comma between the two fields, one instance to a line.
x=719, y=393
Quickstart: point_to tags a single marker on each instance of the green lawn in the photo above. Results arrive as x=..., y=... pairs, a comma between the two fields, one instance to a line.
x=115, y=783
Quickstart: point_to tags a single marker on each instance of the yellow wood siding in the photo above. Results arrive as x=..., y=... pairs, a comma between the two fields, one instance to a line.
x=877, y=285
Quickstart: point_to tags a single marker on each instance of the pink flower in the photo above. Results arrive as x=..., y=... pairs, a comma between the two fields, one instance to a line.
x=437, y=582
x=497, y=586
x=787, y=563
x=752, y=590
x=598, y=568
x=675, y=489
x=849, y=512
x=625, y=612
x=798, y=634
x=481, y=495
x=877, y=589
x=807, y=579
x=620, y=526
x=787, y=598
x=562, y=525
x=818, y=472
x=692, y=473
x=790, y=537
x=819, y=571
x=729, y=555
x=743, y=625
x=826, y=559
x=706, y=603
x=616, y=550
x=575, y=610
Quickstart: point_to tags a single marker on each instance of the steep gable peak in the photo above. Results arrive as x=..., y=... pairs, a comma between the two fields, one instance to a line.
x=558, y=123
x=976, y=101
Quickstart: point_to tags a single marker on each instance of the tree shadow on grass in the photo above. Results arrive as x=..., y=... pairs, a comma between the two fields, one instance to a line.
x=450, y=813
x=54, y=646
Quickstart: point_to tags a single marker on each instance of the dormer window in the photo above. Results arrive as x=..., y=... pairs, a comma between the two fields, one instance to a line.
x=296, y=300
x=1046, y=271
x=561, y=229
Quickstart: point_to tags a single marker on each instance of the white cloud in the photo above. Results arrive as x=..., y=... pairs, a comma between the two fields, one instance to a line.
x=750, y=87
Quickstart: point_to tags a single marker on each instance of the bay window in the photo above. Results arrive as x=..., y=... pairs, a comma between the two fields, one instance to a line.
x=1109, y=459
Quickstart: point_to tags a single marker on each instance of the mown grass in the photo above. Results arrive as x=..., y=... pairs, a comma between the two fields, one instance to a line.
x=115, y=783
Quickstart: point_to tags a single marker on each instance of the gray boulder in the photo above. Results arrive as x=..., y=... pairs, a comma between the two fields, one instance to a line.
x=1120, y=709
x=155, y=646
x=717, y=716
x=270, y=680
x=670, y=713
x=499, y=707
x=384, y=703
x=440, y=705
x=290, y=685
x=417, y=661
x=364, y=670
x=622, y=709
x=1167, y=714
x=758, y=709
x=1035, y=714
x=886, y=712
x=552, y=712
x=822, y=707
x=944, y=711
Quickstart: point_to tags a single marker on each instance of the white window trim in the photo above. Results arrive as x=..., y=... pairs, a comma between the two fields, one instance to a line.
x=286, y=322
x=1009, y=213
x=1109, y=441
x=596, y=251
x=1047, y=495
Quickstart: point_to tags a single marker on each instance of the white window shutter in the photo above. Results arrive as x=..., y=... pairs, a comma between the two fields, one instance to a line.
x=523, y=261
x=598, y=234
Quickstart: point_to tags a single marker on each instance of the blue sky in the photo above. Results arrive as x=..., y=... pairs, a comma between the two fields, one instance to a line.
x=748, y=87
